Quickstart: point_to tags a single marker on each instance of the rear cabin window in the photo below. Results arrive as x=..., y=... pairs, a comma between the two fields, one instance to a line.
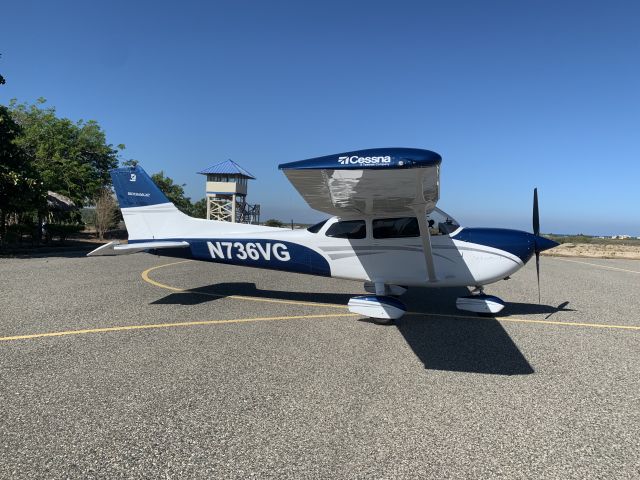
x=347, y=229
x=396, y=227
x=316, y=228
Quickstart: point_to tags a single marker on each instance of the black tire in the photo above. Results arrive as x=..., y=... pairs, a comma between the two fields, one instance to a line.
x=382, y=321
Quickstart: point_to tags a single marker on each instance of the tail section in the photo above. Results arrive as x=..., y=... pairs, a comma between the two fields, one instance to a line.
x=150, y=215
x=147, y=212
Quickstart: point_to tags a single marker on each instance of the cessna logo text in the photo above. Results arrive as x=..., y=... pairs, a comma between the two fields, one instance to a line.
x=249, y=250
x=356, y=160
x=138, y=194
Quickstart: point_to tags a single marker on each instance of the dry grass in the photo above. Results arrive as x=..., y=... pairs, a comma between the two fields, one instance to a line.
x=596, y=250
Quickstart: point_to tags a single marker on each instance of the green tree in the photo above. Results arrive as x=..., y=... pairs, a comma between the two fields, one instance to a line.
x=199, y=209
x=173, y=191
x=72, y=158
x=20, y=187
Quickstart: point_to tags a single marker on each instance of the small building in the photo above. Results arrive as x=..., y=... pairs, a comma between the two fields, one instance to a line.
x=226, y=193
x=58, y=204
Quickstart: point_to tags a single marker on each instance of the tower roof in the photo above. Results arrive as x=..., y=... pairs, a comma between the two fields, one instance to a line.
x=228, y=167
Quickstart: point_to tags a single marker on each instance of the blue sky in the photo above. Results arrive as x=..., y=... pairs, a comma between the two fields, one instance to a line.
x=512, y=94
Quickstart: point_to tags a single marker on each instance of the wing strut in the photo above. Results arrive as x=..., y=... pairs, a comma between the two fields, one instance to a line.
x=425, y=236
x=420, y=207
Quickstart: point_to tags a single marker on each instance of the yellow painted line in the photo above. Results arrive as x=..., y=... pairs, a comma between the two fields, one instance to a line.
x=167, y=325
x=145, y=277
x=597, y=265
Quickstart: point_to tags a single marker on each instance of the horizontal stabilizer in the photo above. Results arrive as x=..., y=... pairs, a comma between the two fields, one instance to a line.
x=116, y=248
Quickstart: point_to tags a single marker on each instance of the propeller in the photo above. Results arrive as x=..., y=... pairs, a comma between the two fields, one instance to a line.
x=540, y=244
x=536, y=232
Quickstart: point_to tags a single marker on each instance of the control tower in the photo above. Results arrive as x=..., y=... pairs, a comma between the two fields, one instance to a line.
x=226, y=193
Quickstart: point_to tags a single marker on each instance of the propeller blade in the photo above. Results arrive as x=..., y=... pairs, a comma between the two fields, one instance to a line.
x=538, y=273
x=536, y=232
x=536, y=214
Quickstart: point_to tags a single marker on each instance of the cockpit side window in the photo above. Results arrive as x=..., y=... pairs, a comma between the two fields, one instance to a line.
x=352, y=229
x=317, y=227
x=396, y=227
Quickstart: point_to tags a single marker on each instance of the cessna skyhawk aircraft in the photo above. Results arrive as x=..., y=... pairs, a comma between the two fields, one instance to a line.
x=385, y=231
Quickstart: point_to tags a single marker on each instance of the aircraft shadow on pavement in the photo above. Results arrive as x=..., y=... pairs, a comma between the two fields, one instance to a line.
x=515, y=308
x=463, y=344
x=456, y=343
x=196, y=296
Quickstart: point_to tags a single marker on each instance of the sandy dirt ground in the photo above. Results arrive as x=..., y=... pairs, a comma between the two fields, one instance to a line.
x=595, y=251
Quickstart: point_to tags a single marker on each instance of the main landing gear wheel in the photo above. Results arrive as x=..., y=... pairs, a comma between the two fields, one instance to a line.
x=480, y=303
x=381, y=309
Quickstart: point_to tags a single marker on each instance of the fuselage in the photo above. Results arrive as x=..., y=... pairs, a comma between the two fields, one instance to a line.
x=366, y=252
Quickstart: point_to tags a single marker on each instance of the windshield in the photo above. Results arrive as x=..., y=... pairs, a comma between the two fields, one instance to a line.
x=441, y=223
x=316, y=228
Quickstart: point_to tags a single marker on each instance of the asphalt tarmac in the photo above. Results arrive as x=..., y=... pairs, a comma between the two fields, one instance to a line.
x=111, y=368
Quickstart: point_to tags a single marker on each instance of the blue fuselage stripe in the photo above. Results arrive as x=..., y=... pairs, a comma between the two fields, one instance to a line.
x=258, y=253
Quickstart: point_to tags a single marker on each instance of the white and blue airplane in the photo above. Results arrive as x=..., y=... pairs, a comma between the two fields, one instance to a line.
x=385, y=231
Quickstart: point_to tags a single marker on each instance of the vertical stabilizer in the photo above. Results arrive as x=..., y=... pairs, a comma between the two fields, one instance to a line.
x=134, y=188
x=147, y=212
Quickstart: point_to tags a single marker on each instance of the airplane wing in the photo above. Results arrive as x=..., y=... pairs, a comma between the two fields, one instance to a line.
x=390, y=180
x=384, y=181
x=116, y=248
